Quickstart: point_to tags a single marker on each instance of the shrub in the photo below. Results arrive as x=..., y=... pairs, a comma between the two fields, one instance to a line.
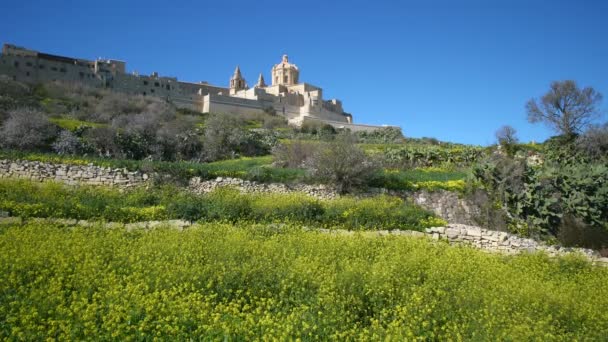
x=223, y=136
x=103, y=141
x=342, y=164
x=536, y=198
x=594, y=143
x=290, y=207
x=293, y=153
x=271, y=122
x=227, y=204
x=68, y=143
x=384, y=135
x=15, y=95
x=27, y=129
x=187, y=207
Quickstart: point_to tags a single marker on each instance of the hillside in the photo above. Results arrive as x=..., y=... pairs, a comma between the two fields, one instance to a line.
x=286, y=232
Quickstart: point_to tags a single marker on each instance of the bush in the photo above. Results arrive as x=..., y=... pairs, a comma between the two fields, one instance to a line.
x=289, y=207
x=342, y=164
x=15, y=95
x=102, y=140
x=384, y=135
x=536, y=198
x=294, y=153
x=27, y=129
x=223, y=136
x=594, y=143
x=68, y=143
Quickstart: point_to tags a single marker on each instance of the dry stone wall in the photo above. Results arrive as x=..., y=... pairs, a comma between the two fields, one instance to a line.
x=71, y=174
x=204, y=186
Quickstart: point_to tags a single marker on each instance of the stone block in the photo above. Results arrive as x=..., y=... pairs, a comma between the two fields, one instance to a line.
x=475, y=232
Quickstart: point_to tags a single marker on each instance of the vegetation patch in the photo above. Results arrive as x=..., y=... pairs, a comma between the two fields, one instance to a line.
x=28, y=199
x=223, y=281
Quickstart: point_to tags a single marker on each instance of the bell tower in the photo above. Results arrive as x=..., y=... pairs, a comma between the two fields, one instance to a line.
x=237, y=82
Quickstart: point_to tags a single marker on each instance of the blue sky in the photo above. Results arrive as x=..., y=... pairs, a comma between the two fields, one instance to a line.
x=454, y=70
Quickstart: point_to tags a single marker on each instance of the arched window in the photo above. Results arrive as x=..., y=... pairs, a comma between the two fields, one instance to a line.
x=286, y=79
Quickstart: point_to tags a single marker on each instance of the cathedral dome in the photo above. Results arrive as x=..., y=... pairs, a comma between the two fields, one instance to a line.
x=285, y=73
x=285, y=64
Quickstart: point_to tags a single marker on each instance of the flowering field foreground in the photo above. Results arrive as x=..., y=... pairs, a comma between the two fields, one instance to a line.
x=221, y=281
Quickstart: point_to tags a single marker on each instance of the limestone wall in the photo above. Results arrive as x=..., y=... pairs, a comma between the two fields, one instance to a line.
x=503, y=242
x=71, y=174
x=318, y=190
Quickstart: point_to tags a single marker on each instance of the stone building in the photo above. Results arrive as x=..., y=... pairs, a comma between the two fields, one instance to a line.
x=287, y=96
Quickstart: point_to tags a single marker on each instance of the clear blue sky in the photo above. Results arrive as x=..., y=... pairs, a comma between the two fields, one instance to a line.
x=454, y=70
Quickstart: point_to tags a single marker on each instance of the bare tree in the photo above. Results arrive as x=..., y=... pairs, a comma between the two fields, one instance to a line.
x=507, y=139
x=506, y=135
x=565, y=107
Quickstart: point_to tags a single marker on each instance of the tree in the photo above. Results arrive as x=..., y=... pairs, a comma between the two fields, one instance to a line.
x=27, y=129
x=565, y=107
x=506, y=135
x=507, y=139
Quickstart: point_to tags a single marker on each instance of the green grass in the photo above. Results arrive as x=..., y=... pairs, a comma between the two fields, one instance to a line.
x=28, y=199
x=253, y=168
x=422, y=178
x=72, y=124
x=252, y=282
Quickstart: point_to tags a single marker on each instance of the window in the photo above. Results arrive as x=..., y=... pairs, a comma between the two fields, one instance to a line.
x=168, y=87
x=81, y=74
x=62, y=70
x=285, y=79
x=54, y=68
x=27, y=74
x=14, y=78
x=145, y=82
x=144, y=94
x=152, y=91
x=29, y=64
x=16, y=64
x=156, y=84
x=41, y=66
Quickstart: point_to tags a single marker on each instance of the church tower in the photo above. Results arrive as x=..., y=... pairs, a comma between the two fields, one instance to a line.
x=285, y=73
x=261, y=83
x=237, y=82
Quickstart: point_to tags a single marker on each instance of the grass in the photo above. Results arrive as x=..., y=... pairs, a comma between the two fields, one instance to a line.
x=430, y=178
x=49, y=199
x=72, y=124
x=253, y=282
x=255, y=168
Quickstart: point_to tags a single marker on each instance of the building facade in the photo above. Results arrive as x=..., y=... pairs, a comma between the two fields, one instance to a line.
x=286, y=96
